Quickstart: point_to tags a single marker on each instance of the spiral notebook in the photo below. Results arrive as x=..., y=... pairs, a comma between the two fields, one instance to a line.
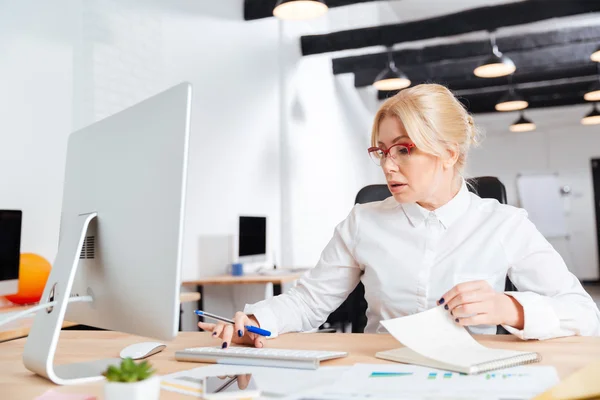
x=433, y=339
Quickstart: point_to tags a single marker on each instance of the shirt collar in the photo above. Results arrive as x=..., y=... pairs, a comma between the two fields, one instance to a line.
x=446, y=214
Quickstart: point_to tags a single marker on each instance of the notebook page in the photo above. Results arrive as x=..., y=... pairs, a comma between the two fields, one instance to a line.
x=435, y=335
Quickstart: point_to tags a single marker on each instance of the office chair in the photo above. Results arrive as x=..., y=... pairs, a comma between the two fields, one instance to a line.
x=354, y=308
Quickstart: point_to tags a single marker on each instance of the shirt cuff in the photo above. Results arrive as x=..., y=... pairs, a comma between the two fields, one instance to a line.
x=540, y=320
x=265, y=317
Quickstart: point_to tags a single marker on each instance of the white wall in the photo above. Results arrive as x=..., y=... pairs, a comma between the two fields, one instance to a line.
x=560, y=144
x=326, y=125
x=35, y=115
x=234, y=148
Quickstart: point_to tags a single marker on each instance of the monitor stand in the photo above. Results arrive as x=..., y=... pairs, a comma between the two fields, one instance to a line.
x=40, y=348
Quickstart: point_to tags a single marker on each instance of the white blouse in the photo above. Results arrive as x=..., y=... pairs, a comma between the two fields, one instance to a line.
x=407, y=257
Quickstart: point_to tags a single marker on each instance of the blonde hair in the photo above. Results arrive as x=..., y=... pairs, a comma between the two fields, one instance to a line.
x=434, y=120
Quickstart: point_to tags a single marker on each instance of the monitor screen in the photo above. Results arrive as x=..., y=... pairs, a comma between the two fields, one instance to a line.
x=252, y=236
x=10, y=244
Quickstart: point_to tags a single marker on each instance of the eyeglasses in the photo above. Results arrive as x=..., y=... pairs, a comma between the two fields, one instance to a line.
x=400, y=153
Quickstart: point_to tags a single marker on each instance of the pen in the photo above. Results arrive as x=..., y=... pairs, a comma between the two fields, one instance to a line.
x=249, y=328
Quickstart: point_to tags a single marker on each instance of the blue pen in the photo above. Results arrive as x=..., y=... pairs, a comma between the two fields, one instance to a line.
x=249, y=328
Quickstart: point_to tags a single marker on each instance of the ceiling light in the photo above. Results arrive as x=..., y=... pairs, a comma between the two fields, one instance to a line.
x=391, y=78
x=299, y=9
x=496, y=65
x=593, y=94
x=511, y=101
x=522, y=125
x=592, y=118
x=596, y=55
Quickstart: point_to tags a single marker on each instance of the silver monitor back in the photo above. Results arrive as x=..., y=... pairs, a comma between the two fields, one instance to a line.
x=126, y=177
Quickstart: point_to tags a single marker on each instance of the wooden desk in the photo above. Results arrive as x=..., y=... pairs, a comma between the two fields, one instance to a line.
x=566, y=354
x=250, y=279
x=21, y=328
x=245, y=279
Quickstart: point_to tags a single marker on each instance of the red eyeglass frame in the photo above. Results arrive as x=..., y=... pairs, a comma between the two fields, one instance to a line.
x=386, y=153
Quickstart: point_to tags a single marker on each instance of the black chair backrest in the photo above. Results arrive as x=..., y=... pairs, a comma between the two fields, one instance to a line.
x=372, y=193
x=484, y=186
x=488, y=187
x=355, y=306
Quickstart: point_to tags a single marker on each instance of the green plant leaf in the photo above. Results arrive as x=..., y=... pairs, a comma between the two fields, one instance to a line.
x=113, y=374
x=127, y=365
x=131, y=377
x=129, y=371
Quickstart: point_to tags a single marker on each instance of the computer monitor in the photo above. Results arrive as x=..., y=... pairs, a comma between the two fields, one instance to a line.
x=252, y=239
x=120, y=233
x=10, y=250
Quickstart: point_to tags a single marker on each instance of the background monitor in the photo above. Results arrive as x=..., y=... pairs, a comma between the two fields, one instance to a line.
x=10, y=250
x=252, y=238
x=121, y=231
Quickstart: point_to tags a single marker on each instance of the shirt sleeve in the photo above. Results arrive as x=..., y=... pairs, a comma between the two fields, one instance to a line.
x=320, y=291
x=553, y=300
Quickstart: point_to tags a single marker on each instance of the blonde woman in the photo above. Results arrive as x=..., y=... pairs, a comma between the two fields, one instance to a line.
x=431, y=243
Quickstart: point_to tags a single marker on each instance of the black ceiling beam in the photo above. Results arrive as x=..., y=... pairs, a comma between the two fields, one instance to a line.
x=565, y=71
x=478, y=19
x=529, y=63
x=509, y=44
x=257, y=9
x=550, y=95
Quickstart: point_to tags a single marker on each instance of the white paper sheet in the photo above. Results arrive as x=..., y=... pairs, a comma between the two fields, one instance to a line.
x=384, y=381
x=435, y=335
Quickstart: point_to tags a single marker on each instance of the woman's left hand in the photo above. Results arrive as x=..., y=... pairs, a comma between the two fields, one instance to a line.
x=477, y=303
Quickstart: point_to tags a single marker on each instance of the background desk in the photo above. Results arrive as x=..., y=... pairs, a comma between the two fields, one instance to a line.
x=254, y=279
x=21, y=328
x=566, y=354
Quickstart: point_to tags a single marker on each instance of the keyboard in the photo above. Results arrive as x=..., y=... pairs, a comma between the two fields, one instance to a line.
x=264, y=357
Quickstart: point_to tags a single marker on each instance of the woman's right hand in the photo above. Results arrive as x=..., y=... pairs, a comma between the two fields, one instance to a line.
x=228, y=333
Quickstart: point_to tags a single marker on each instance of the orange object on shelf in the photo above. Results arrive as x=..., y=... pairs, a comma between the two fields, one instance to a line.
x=33, y=274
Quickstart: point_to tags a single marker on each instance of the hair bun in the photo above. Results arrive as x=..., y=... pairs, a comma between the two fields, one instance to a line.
x=472, y=131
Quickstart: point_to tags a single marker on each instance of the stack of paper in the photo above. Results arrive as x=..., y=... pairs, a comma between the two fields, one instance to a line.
x=433, y=339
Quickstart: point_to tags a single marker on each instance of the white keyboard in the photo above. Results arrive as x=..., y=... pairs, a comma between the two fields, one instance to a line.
x=302, y=359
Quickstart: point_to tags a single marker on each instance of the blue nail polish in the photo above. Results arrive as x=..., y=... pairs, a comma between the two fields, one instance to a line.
x=456, y=320
x=240, y=333
x=224, y=346
x=214, y=333
x=442, y=300
x=446, y=306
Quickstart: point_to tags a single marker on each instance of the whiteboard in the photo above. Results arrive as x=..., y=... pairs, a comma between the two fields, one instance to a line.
x=540, y=197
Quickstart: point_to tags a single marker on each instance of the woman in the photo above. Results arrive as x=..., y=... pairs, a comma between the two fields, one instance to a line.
x=432, y=243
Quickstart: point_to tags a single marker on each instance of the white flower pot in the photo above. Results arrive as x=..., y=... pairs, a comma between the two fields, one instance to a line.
x=148, y=389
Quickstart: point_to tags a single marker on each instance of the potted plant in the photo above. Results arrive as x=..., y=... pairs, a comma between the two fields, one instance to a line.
x=131, y=381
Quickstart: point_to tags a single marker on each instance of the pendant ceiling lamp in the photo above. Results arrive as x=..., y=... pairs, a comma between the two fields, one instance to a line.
x=593, y=93
x=522, y=125
x=592, y=118
x=495, y=65
x=511, y=101
x=391, y=78
x=596, y=55
x=299, y=9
